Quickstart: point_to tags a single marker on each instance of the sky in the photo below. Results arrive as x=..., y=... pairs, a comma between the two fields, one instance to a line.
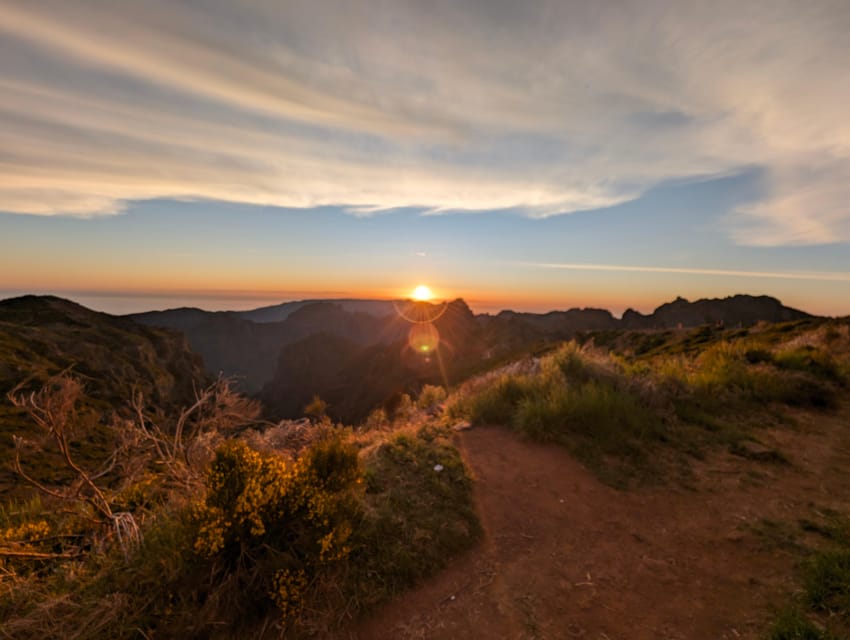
x=529, y=155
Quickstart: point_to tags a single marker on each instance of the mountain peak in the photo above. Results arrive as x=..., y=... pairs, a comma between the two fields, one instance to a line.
x=34, y=310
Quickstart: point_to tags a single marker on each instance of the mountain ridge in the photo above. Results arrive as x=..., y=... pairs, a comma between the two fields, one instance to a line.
x=285, y=363
x=421, y=343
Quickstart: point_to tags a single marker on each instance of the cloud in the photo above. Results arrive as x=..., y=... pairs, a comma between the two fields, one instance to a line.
x=544, y=107
x=808, y=205
x=822, y=276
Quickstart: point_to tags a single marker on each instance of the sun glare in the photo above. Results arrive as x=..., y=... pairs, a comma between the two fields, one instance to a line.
x=422, y=293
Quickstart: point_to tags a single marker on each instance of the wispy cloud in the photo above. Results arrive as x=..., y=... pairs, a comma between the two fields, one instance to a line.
x=544, y=107
x=824, y=276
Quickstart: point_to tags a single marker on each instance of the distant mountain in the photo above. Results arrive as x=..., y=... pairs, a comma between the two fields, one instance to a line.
x=353, y=378
x=41, y=336
x=236, y=346
x=733, y=311
x=562, y=324
x=354, y=353
x=278, y=312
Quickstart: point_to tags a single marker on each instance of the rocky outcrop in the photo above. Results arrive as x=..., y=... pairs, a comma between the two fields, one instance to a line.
x=739, y=310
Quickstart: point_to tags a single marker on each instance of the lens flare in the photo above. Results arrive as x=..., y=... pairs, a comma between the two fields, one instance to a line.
x=423, y=338
x=421, y=311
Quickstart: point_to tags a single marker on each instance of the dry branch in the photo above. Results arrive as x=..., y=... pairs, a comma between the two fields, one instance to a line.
x=52, y=409
x=37, y=555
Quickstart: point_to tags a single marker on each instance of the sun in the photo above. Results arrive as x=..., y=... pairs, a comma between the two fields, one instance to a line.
x=421, y=293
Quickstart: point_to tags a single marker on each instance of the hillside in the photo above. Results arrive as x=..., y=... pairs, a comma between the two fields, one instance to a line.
x=41, y=337
x=231, y=343
x=691, y=481
x=354, y=378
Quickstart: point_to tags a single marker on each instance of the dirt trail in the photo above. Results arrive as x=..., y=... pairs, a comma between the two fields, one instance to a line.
x=565, y=556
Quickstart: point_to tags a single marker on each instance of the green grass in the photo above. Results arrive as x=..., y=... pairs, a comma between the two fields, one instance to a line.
x=416, y=518
x=822, y=609
x=831, y=525
x=777, y=535
x=496, y=403
x=827, y=582
x=689, y=390
x=791, y=624
x=587, y=406
x=809, y=359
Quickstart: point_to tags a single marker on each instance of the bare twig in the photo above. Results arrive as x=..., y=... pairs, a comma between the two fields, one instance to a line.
x=217, y=410
x=52, y=410
x=37, y=555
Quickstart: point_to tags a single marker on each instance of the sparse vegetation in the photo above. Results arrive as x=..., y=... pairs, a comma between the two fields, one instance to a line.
x=822, y=610
x=827, y=582
x=233, y=541
x=791, y=624
x=576, y=399
x=418, y=513
x=683, y=390
x=430, y=397
x=317, y=409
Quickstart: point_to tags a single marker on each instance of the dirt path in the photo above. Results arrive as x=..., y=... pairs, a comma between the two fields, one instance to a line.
x=565, y=556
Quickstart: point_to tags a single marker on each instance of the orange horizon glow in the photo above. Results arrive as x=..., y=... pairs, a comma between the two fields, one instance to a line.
x=480, y=299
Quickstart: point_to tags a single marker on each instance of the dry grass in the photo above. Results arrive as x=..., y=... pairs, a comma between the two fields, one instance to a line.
x=293, y=564
x=618, y=411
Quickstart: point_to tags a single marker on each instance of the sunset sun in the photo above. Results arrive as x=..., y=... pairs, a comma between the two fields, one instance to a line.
x=421, y=293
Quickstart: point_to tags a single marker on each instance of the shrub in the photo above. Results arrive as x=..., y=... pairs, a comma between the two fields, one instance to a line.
x=741, y=373
x=316, y=408
x=277, y=524
x=430, y=396
x=418, y=514
x=808, y=359
x=542, y=417
x=571, y=363
x=397, y=406
x=801, y=390
x=720, y=368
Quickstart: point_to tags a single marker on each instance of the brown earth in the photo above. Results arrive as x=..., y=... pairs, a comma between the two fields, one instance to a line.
x=565, y=556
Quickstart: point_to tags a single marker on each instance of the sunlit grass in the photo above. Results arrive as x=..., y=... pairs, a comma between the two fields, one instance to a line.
x=613, y=409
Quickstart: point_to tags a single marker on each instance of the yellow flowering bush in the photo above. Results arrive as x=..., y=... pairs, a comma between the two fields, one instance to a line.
x=288, y=590
x=282, y=521
x=25, y=532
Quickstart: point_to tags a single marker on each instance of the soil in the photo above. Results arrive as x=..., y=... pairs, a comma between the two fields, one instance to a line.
x=565, y=556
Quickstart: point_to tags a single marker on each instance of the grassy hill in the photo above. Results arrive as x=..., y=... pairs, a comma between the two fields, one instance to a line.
x=220, y=524
x=42, y=336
